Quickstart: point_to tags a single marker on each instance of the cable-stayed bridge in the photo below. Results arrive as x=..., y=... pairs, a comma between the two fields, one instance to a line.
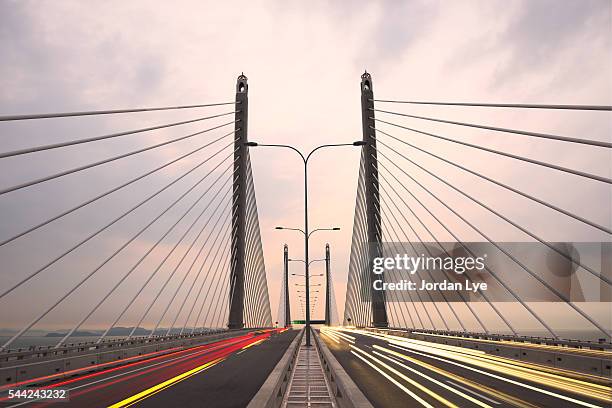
x=172, y=259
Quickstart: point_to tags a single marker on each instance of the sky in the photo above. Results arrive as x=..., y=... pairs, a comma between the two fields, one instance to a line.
x=303, y=61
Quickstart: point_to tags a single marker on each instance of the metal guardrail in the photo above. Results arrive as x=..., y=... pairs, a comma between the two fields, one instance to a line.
x=587, y=360
x=347, y=393
x=41, y=352
x=580, y=344
x=76, y=359
x=271, y=393
x=309, y=386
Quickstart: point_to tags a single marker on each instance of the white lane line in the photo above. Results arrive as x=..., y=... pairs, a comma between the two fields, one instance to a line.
x=492, y=401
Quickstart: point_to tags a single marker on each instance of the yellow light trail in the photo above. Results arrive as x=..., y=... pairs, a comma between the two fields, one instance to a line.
x=482, y=388
x=394, y=381
x=543, y=391
x=433, y=380
x=584, y=388
x=337, y=335
x=549, y=377
x=552, y=348
x=162, y=386
x=512, y=367
x=331, y=336
x=254, y=344
x=531, y=372
x=340, y=332
x=410, y=381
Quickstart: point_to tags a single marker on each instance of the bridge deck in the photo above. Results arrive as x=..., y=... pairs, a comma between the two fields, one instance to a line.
x=226, y=373
x=392, y=373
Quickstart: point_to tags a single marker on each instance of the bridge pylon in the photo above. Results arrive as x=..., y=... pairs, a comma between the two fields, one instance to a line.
x=374, y=240
x=239, y=207
x=286, y=288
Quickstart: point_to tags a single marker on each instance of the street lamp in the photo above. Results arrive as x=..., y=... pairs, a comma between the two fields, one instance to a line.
x=311, y=232
x=305, y=231
x=312, y=276
x=309, y=263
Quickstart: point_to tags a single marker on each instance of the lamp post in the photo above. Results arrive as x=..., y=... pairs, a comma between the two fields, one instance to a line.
x=305, y=230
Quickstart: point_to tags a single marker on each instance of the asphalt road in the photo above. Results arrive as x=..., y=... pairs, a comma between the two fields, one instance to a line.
x=397, y=372
x=226, y=373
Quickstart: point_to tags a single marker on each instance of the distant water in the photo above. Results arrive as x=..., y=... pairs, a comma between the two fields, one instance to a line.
x=585, y=335
x=29, y=341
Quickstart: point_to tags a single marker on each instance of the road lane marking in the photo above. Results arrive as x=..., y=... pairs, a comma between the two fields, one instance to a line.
x=492, y=401
x=166, y=384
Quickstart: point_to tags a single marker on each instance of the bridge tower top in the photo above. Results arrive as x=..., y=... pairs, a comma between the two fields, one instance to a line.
x=242, y=86
x=366, y=82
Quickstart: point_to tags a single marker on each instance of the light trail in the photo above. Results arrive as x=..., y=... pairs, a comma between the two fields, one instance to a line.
x=433, y=380
x=164, y=385
x=508, y=380
x=548, y=347
x=482, y=388
x=474, y=392
x=331, y=336
x=394, y=381
x=579, y=387
x=184, y=376
x=254, y=343
x=160, y=354
x=409, y=380
x=346, y=337
x=200, y=352
x=531, y=372
x=498, y=368
x=336, y=335
x=214, y=350
x=88, y=368
x=117, y=378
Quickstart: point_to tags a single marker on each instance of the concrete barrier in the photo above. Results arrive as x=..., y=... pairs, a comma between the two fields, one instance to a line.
x=347, y=394
x=18, y=366
x=272, y=392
